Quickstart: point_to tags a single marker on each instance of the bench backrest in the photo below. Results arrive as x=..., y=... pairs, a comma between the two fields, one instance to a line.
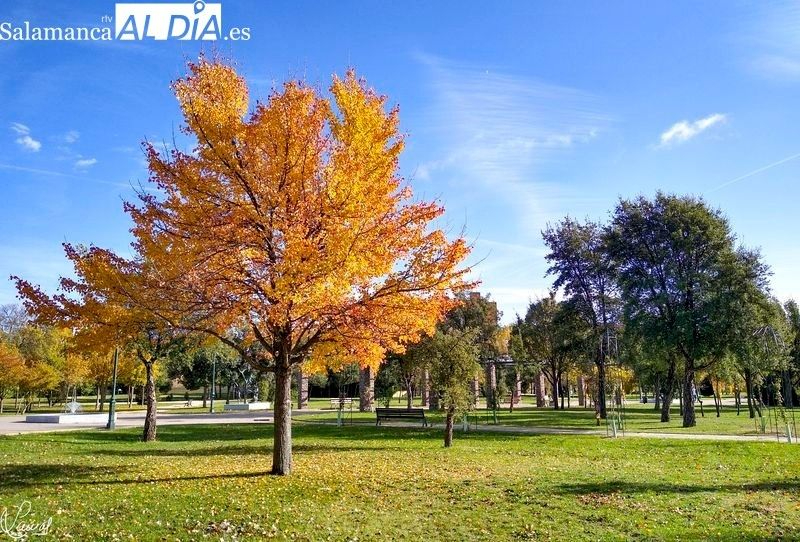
x=400, y=412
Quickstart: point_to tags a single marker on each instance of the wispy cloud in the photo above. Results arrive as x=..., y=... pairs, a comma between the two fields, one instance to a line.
x=683, y=131
x=772, y=41
x=496, y=129
x=82, y=178
x=71, y=137
x=84, y=163
x=20, y=128
x=492, y=135
x=25, y=140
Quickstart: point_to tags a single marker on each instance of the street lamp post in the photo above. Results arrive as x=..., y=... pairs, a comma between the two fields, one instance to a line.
x=213, y=381
x=112, y=405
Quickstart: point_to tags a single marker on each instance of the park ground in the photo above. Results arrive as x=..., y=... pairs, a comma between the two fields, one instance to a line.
x=359, y=482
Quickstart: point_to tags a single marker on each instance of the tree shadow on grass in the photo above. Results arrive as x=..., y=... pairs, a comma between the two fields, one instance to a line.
x=636, y=488
x=247, y=432
x=211, y=450
x=20, y=476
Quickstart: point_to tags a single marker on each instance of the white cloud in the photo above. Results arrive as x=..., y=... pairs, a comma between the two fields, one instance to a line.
x=71, y=136
x=28, y=143
x=25, y=140
x=84, y=163
x=684, y=130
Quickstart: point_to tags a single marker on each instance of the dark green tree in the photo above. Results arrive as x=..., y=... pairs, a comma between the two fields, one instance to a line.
x=579, y=261
x=683, y=280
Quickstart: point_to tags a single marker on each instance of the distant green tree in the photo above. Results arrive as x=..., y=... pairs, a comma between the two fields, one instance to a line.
x=793, y=365
x=553, y=336
x=579, y=261
x=479, y=314
x=453, y=360
x=760, y=345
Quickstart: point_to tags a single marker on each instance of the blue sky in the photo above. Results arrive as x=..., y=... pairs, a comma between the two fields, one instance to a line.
x=516, y=114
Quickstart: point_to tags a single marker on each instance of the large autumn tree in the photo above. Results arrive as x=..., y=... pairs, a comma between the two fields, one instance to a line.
x=288, y=218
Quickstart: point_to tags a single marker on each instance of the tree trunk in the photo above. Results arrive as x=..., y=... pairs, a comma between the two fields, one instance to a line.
x=688, y=395
x=657, y=394
x=302, y=390
x=737, y=398
x=601, y=386
x=669, y=392
x=538, y=386
x=205, y=395
x=366, y=389
x=149, y=434
x=426, y=391
x=448, y=427
x=130, y=396
x=748, y=384
x=554, y=388
x=102, y=397
x=717, y=397
x=581, y=391
x=282, y=439
x=788, y=391
x=409, y=396
x=2, y=400
x=97, y=398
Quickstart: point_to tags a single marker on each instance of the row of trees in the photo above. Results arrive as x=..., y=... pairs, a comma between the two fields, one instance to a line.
x=39, y=361
x=664, y=289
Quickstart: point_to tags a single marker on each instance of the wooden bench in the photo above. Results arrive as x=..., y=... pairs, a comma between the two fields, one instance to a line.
x=400, y=414
x=341, y=403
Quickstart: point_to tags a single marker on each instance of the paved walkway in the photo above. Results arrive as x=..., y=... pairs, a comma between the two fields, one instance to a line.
x=16, y=425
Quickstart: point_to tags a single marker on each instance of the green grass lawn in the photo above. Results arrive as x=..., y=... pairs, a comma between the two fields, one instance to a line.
x=359, y=482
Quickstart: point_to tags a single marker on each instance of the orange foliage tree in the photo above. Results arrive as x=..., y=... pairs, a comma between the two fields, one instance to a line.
x=12, y=369
x=98, y=305
x=289, y=221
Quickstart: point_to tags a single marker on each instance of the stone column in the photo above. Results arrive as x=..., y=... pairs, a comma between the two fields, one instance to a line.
x=433, y=400
x=491, y=383
x=366, y=389
x=539, y=386
x=426, y=389
x=581, y=391
x=302, y=390
x=476, y=390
